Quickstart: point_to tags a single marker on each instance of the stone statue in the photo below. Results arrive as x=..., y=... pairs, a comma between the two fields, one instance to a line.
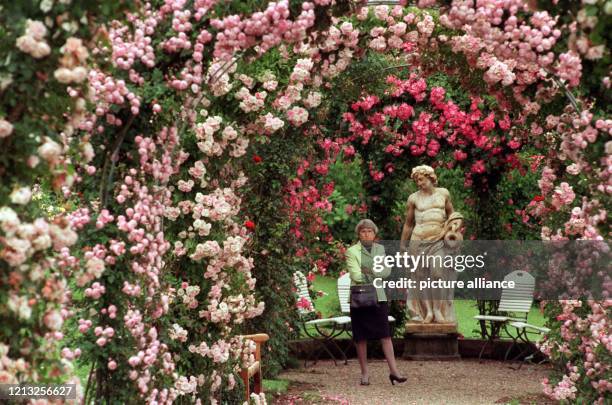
x=432, y=228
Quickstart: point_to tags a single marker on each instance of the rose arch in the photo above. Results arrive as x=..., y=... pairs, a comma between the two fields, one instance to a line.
x=190, y=170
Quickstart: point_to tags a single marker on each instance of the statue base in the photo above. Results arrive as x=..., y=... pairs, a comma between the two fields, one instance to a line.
x=420, y=327
x=431, y=341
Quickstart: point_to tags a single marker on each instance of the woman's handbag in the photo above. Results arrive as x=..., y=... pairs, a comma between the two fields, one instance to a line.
x=363, y=296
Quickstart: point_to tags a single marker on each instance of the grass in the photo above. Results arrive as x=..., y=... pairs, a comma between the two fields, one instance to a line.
x=465, y=310
x=328, y=304
x=275, y=387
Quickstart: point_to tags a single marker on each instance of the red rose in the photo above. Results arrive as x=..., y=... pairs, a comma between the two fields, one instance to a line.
x=257, y=159
x=250, y=225
x=538, y=198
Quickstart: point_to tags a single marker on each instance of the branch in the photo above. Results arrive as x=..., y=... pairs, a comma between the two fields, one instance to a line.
x=109, y=158
x=384, y=70
x=89, y=382
x=568, y=94
x=225, y=68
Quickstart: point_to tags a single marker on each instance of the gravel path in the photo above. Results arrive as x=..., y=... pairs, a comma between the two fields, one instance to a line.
x=429, y=382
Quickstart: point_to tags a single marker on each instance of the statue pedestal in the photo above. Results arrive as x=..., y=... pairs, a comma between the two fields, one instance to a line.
x=431, y=341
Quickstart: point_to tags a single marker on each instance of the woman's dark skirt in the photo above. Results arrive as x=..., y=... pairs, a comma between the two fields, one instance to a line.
x=371, y=323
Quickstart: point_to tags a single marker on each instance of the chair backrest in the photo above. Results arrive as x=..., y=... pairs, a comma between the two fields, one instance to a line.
x=344, y=292
x=302, y=291
x=519, y=298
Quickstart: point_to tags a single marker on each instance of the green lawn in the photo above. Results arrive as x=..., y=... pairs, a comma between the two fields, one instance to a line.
x=275, y=386
x=329, y=305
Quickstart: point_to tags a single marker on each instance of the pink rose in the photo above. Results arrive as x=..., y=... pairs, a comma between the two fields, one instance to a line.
x=6, y=128
x=53, y=320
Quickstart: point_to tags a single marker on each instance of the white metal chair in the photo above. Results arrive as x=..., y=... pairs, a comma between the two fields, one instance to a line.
x=327, y=329
x=514, y=305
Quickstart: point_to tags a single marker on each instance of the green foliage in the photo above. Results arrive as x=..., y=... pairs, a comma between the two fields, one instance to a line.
x=454, y=89
x=274, y=268
x=365, y=75
x=347, y=196
x=515, y=191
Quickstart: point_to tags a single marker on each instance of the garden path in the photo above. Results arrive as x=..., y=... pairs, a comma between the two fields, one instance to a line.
x=464, y=381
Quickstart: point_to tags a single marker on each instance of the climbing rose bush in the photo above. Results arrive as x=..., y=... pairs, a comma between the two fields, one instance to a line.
x=46, y=56
x=148, y=267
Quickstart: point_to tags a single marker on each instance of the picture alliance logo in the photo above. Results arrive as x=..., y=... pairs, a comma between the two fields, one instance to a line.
x=429, y=284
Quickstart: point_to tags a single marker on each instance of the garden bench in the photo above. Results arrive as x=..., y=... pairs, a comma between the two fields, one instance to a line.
x=255, y=369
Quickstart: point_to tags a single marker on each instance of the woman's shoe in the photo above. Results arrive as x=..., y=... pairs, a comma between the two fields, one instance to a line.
x=394, y=378
x=365, y=382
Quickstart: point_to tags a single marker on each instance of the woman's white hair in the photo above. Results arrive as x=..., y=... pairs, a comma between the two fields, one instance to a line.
x=366, y=223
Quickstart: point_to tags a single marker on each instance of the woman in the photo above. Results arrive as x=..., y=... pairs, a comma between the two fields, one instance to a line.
x=370, y=322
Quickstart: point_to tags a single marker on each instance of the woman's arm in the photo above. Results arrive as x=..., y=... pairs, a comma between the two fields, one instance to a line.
x=353, y=267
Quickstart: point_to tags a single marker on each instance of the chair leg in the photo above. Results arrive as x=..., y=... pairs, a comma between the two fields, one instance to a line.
x=314, y=355
x=509, y=350
x=490, y=337
x=521, y=334
x=344, y=328
x=247, y=388
x=339, y=350
x=328, y=337
x=317, y=354
x=482, y=350
x=331, y=355
x=521, y=362
x=344, y=355
x=515, y=341
x=524, y=337
x=257, y=381
x=347, y=329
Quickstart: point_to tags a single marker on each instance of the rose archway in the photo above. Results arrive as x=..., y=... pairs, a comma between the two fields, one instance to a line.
x=180, y=149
